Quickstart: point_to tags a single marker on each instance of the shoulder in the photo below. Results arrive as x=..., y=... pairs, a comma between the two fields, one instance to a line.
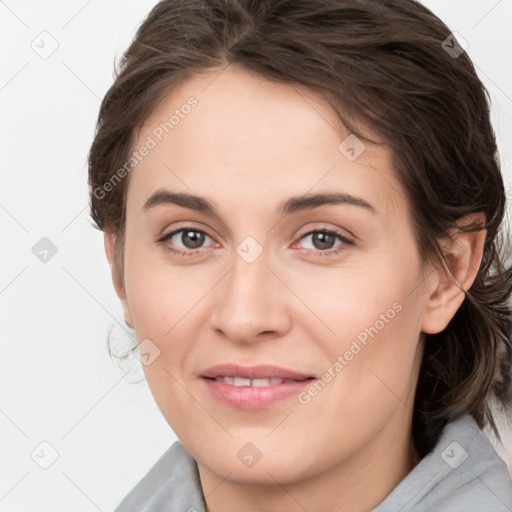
x=462, y=472
x=172, y=483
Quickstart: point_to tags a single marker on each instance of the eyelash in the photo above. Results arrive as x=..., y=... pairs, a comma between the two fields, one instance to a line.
x=318, y=253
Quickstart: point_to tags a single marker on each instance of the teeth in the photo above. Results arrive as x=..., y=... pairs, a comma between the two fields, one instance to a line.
x=256, y=383
x=260, y=383
x=238, y=381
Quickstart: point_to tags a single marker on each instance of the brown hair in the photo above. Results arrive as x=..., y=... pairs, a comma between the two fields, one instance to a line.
x=394, y=66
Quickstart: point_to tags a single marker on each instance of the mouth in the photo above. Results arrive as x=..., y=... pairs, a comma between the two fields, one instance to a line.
x=254, y=383
x=253, y=388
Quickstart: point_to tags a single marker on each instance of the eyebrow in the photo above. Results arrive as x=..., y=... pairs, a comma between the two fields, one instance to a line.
x=291, y=205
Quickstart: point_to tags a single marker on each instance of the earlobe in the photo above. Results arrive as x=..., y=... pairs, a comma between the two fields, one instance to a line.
x=463, y=253
x=108, y=240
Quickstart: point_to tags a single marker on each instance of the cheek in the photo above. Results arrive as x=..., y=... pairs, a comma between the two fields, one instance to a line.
x=367, y=321
x=343, y=303
x=167, y=305
x=159, y=293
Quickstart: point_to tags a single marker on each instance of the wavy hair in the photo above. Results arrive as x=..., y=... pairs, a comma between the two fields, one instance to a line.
x=395, y=67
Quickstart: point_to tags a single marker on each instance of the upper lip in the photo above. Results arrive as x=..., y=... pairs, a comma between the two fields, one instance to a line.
x=262, y=371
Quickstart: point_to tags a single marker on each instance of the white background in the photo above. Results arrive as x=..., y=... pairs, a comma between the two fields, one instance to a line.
x=58, y=383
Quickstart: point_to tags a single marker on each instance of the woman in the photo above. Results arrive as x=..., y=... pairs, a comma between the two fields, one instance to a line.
x=301, y=203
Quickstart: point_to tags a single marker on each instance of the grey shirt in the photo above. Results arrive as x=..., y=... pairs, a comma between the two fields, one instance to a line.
x=463, y=472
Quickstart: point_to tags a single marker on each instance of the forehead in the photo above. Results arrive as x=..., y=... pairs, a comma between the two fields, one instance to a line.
x=233, y=135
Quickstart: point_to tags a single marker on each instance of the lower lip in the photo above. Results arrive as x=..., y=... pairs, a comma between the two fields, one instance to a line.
x=253, y=398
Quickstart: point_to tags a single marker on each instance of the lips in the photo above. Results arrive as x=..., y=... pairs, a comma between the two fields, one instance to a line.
x=263, y=371
x=256, y=387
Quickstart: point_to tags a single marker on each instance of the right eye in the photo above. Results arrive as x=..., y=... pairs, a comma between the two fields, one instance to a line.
x=191, y=238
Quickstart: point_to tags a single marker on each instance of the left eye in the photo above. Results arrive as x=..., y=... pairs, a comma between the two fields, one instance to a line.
x=323, y=239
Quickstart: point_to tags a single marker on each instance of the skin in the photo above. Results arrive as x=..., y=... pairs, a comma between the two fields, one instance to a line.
x=247, y=146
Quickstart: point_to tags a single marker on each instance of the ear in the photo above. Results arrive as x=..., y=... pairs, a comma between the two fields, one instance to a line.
x=463, y=252
x=108, y=240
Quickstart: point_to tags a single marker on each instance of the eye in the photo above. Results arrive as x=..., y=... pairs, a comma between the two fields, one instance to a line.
x=323, y=240
x=191, y=238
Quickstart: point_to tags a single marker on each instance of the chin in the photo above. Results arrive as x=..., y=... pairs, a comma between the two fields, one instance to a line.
x=245, y=463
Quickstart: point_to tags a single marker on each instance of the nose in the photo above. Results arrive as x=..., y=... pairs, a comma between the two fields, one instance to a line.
x=251, y=302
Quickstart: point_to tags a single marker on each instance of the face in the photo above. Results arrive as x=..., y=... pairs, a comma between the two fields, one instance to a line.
x=329, y=292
